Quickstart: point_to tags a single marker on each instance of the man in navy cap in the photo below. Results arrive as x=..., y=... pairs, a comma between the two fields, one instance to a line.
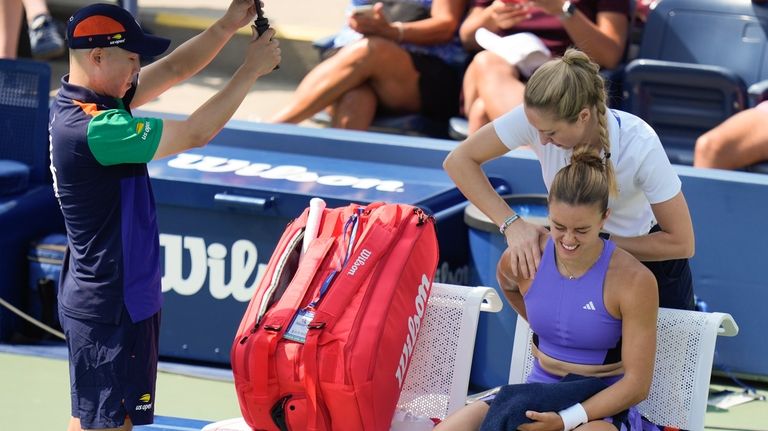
x=110, y=295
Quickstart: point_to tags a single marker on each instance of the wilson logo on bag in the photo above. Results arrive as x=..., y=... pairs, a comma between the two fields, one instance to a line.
x=414, y=323
x=360, y=261
x=328, y=336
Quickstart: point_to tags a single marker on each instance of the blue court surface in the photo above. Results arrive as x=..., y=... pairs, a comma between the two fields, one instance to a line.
x=165, y=423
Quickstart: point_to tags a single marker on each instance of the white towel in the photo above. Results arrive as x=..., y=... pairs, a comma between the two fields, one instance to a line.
x=524, y=50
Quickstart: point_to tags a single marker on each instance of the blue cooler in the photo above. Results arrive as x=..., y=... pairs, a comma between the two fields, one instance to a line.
x=495, y=331
x=222, y=209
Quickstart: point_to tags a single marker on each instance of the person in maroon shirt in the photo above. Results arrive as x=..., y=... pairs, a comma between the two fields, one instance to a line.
x=492, y=86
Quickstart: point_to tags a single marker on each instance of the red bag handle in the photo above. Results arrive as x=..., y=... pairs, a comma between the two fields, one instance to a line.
x=377, y=242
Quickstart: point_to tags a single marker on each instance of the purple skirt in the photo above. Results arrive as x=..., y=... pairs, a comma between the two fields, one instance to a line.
x=632, y=420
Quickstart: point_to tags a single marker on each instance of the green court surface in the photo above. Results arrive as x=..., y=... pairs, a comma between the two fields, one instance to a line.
x=34, y=396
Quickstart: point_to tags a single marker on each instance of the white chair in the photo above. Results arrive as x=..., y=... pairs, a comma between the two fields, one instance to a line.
x=438, y=377
x=685, y=347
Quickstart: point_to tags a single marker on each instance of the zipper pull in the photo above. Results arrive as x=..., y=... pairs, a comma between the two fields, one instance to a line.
x=420, y=214
x=423, y=216
x=251, y=332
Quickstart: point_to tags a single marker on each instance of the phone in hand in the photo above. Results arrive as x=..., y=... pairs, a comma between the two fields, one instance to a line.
x=363, y=10
x=518, y=3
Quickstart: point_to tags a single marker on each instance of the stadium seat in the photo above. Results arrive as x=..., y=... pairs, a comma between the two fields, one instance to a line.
x=28, y=209
x=24, y=86
x=699, y=62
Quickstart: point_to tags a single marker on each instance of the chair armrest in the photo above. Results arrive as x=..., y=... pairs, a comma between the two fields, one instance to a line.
x=683, y=74
x=728, y=326
x=458, y=128
x=758, y=92
x=490, y=300
x=680, y=87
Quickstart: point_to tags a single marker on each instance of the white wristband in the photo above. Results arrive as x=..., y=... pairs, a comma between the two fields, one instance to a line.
x=573, y=416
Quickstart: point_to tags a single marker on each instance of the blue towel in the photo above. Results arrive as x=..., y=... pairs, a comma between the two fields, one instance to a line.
x=508, y=409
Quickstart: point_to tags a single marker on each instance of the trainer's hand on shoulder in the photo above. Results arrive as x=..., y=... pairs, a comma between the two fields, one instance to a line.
x=263, y=53
x=524, y=248
x=239, y=14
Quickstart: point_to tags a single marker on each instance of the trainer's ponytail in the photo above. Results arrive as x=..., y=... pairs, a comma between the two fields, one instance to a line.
x=564, y=87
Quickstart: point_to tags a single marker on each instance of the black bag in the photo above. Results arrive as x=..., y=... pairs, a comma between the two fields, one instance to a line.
x=405, y=11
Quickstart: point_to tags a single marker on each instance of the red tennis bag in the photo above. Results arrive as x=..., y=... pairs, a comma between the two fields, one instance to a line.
x=327, y=338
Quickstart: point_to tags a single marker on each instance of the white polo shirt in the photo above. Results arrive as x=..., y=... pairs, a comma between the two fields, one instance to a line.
x=644, y=174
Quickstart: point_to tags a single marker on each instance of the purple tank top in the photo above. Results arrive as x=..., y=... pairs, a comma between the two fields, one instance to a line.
x=568, y=317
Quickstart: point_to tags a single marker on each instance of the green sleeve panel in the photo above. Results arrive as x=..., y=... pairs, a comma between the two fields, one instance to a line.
x=115, y=137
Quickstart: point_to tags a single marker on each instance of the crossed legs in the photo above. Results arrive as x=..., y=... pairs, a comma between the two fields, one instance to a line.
x=370, y=70
x=492, y=87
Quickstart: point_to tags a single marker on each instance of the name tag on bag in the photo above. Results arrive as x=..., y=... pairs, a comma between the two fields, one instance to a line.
x=297, y=331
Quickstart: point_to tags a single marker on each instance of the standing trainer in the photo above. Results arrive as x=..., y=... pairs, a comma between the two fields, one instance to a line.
x=564, y=112
x=110, y=296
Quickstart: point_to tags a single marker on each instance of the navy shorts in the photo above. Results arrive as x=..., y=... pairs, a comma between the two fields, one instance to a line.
x=112, y=370
x=674, y=280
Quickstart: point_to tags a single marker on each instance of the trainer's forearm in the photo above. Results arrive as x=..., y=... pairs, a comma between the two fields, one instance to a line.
x=657, y=246
x=473, y=183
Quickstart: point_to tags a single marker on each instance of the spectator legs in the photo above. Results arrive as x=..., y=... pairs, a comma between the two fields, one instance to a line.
x=10, y=25
x=492, y=87
x=355, y=109
x=739, y=141
x=379, y=63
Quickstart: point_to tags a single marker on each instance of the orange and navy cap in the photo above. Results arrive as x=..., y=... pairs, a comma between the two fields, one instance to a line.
x=107, y=25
